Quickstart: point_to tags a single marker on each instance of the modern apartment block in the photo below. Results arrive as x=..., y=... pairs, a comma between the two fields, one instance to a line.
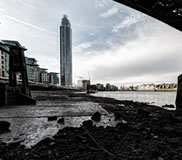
x=65, y=52
x=40, y=75
x=34, y=72
x=53, y=78
x=32, y=67
x=44, y=75
x=37, y=75
x=4, y=64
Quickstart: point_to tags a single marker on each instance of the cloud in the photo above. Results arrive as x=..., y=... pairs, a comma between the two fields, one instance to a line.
x=101, y=3
x=111, y=12
x=2, y=9
x=79, y=48
x=52, y=61
x=26, y=4
x=133, y=18
x=153, y=56
x=109, y=45
x=30, y=25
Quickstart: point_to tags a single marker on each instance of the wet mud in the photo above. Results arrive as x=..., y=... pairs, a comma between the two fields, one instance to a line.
x=140, y=131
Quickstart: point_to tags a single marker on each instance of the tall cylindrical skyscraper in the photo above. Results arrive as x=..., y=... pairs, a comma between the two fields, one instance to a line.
x=65, y=52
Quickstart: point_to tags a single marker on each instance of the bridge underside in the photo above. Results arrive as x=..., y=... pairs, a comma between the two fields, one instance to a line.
x=167, y=11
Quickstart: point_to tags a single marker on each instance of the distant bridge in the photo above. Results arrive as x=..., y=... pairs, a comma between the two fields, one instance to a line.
x=167, y=11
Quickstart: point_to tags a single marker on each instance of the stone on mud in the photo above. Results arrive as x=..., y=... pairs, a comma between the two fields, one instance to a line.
x=60, y=121
x=87, y=123
x=160, y=158
x=96, y=117
x=4, y=126
x=52, y=118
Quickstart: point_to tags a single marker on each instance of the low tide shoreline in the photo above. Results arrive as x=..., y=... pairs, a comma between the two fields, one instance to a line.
x=162, y=90
x=143, y=132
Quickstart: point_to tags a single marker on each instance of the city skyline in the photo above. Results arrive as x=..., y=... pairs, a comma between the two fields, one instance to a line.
x=65, y=52
x=114, y=43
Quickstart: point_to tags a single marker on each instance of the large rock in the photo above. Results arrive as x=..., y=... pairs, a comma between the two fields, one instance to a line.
x=96, y=117
x=87, y=123
x=179, y=94
x=4, y=126
x=52, y=118
x=60, y=121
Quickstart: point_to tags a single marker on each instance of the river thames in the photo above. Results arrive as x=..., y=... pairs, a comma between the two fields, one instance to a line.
x=155, y=98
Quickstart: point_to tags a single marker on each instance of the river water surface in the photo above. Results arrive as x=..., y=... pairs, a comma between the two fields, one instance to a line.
x=156, y=98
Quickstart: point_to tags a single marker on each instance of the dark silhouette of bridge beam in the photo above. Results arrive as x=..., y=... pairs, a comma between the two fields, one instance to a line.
x=167, y=11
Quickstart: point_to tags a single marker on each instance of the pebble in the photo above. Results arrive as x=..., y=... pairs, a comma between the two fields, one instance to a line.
x=124, y=122
x=160, y=158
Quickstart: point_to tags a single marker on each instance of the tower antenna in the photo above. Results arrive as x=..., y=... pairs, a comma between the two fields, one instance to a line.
x=89, y=76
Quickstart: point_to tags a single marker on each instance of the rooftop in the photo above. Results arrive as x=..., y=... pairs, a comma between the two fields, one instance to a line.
x=5, y=44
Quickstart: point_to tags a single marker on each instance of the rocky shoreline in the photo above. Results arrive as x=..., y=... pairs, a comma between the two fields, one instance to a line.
x=143, y=132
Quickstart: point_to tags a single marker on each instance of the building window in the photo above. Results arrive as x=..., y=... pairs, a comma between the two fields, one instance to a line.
x=2, y=62
x=3, y=74
x=2, y=67
x=2, y=57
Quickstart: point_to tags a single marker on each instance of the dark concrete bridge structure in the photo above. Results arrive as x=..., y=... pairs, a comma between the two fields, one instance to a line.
x=167, y=11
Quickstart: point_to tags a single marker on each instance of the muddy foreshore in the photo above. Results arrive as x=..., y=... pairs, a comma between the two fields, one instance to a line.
x=144, y=132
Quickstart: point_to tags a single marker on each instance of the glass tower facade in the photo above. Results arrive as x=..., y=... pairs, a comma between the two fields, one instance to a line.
x=65, y=52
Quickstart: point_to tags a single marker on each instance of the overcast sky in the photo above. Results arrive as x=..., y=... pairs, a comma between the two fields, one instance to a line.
x=111, y=42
